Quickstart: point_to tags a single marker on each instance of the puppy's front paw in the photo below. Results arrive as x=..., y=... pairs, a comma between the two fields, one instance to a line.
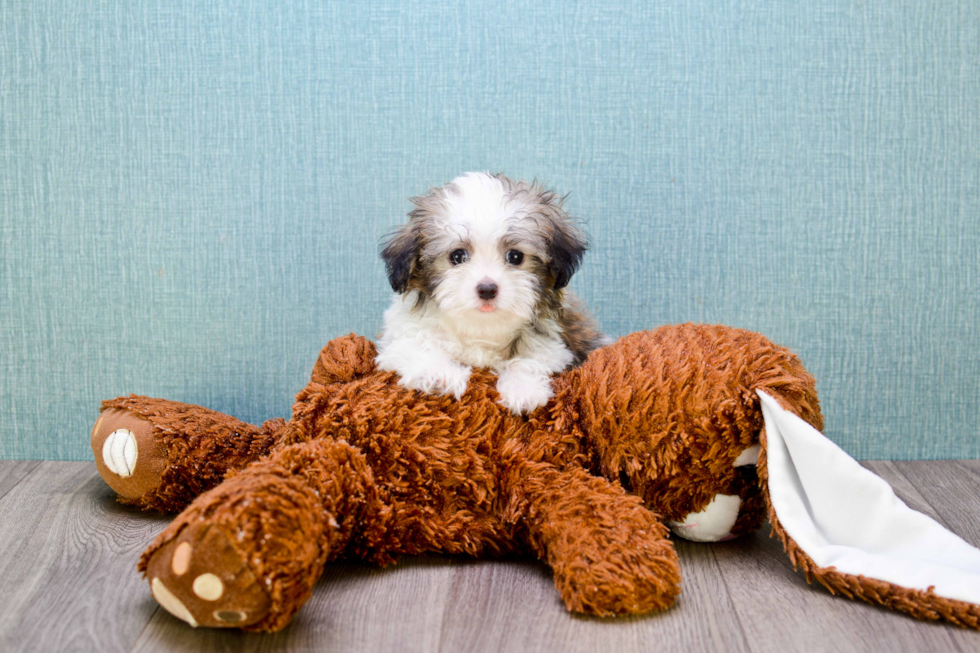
x=522, y=392
x=438, y=378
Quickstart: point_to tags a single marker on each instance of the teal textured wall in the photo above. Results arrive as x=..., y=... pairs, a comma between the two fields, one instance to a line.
x=191, y=193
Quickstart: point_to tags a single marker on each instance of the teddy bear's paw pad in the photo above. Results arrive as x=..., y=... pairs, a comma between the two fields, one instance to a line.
x=749, y=456
x=128, y=453
x=712, y=524
x=171, y=603
x=201, y=579
x=119, y=452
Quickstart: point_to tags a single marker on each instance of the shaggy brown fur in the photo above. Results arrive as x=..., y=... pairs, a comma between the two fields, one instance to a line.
x=646, y=430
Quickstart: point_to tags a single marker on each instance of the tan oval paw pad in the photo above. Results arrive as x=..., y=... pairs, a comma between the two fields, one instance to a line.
x=230, y=616
x=181, y=560
x=208, y=587
x=171, y=603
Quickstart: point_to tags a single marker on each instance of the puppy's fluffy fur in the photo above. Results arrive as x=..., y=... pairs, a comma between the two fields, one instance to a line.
x=478, y=273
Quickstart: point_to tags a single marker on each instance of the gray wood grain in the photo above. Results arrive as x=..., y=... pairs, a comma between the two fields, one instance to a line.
x=355, y=607
x=951, y=488
x=68, y=554
x=13, y=472
x=67, y=574
x=780, y=613
x=520, y=610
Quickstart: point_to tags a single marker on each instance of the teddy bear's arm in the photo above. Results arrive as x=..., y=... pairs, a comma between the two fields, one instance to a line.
x=609, y=554
x=160, y=454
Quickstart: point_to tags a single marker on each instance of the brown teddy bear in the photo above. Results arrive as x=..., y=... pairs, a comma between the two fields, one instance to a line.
x=662, y=428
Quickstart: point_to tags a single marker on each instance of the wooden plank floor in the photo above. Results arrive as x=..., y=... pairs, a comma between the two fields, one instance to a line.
x=67, y=577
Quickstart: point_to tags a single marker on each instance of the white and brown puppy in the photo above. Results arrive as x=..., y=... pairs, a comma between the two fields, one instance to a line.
x=478, y=273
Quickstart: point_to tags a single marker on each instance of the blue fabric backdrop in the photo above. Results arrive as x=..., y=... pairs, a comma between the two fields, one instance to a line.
x=192, y=192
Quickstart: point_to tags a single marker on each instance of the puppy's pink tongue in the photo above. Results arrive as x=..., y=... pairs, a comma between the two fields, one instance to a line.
x=487, y=308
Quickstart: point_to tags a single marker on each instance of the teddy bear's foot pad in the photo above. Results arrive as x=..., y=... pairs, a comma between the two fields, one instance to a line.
x=712, y=524
x=200, y=578
x=128, y=453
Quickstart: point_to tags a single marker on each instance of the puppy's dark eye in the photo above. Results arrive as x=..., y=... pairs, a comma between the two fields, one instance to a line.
x=458, y=256
x=515, y=257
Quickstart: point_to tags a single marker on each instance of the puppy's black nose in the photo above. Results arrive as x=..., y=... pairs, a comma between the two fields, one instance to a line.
x=486, y=290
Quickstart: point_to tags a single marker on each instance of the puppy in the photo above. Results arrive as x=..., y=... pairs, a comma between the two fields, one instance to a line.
x=478, y=273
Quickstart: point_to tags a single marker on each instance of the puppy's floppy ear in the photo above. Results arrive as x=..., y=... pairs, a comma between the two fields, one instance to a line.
x=566, y=247
x=400, y=253
x=564, y=244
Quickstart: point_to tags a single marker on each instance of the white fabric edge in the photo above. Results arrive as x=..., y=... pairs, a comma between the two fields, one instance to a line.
x=842, y=515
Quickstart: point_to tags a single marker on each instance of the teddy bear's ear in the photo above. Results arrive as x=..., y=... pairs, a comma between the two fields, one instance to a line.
x=846, y=528
x=400, y=253
x=344, y=359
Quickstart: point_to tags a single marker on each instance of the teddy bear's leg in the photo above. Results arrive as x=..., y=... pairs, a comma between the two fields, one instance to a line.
x=610, y=555
x=160, y=454
x=247, y=553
